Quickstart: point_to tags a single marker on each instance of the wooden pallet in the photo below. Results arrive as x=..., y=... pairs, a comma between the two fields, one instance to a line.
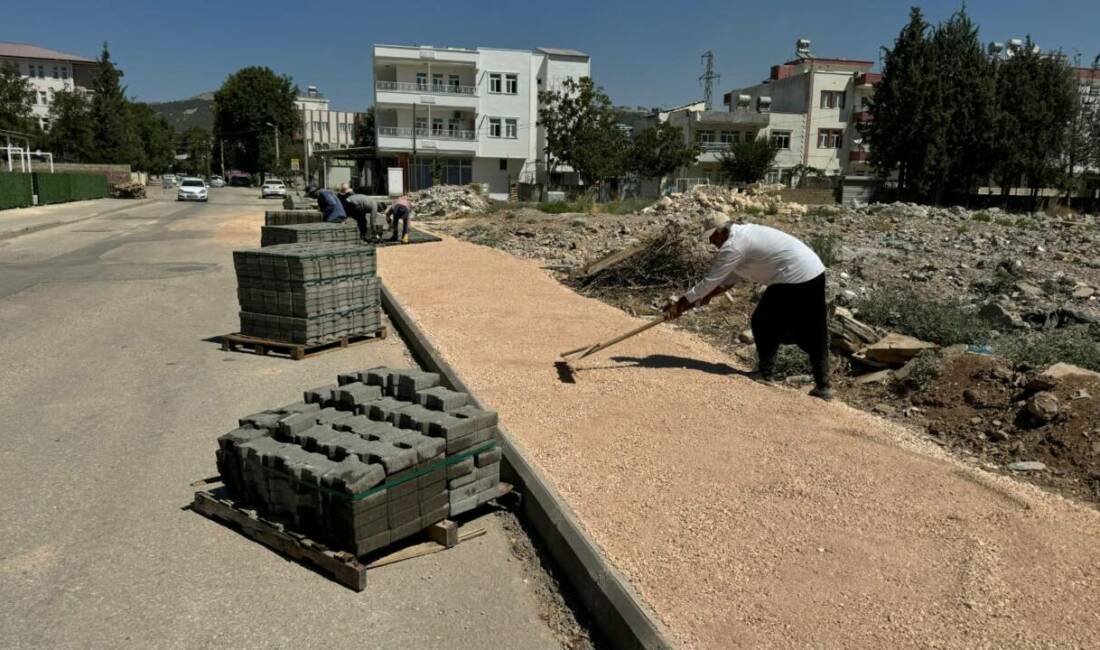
x=343, y=567
x=296, y=351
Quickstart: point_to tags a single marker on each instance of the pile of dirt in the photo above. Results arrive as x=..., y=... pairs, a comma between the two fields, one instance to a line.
x=702, y=200
x=444, y=200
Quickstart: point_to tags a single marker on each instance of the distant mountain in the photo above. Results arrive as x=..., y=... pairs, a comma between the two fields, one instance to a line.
x=186, y=113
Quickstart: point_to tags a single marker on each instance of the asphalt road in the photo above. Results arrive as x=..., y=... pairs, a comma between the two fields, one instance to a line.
x=111, y=396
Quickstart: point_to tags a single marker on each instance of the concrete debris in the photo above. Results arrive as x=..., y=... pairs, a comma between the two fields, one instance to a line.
x=1027, y=466
x=1044, y=406
x=849, y=335
x=334, y=469
x=128, y=191
x=444, y=200
x=896, y=349
x=702, y=200
x=1055, y=374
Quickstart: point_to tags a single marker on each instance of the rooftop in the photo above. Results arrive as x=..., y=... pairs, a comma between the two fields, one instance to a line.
x=27, y=51
x=560, y=51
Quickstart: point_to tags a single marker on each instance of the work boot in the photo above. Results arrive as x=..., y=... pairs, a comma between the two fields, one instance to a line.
x=762, y=378
x=822, y=392
x=405, y=238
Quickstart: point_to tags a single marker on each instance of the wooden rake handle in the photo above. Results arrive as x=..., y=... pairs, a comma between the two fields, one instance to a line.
x=586, y=350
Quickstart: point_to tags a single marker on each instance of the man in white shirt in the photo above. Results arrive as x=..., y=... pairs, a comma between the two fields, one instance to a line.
x=793, y=308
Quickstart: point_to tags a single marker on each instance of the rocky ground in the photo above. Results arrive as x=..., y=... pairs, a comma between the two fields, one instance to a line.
x=1023, y=287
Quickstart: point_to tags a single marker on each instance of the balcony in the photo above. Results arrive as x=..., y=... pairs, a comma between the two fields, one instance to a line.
x=404, y=93
x=859, y=156
x=868, y=78
x=714, y=147
x=862, y=117
x=400, y=138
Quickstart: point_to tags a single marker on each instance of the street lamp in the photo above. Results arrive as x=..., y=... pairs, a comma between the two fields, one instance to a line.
x=276, y=127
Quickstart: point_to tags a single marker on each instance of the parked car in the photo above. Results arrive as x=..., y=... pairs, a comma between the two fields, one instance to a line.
x=239, y=179
x=216, y=181
x=273, y=188
x=169, y=181
x=192, y=189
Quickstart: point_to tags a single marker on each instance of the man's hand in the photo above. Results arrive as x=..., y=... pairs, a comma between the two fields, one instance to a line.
x=677, y=309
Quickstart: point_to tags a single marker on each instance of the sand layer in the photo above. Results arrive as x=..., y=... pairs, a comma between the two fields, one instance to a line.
x=745, y=515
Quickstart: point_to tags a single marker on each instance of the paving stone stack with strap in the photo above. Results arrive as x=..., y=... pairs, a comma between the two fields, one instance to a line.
x=289, y=217
x=308, y=293
x=370, y=460
x=308, y=232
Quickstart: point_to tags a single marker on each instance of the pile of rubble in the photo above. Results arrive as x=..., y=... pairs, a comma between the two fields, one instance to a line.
x=702, y=200
x=128, y=191
x=443, y=200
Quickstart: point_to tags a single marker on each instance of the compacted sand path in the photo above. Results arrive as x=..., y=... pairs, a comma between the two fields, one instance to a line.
x=750, y=516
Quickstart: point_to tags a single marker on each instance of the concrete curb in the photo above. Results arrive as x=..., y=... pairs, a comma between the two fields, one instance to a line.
x=616, y=609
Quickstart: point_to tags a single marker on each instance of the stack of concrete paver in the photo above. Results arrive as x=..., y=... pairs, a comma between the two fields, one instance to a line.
x=308, y=293
x=371, y=460
x=308, y=232
x=288, y=217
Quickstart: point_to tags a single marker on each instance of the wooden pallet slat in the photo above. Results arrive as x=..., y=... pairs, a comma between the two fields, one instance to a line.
x=296, y=351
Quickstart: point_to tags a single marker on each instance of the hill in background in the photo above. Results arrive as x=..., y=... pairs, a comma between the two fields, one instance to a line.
x=186, y=113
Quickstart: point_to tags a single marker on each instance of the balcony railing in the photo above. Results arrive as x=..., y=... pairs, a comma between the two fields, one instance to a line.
x=427, y=134
x=714, y=147
x=859, y=156
x=861, y=117
x=425, y=88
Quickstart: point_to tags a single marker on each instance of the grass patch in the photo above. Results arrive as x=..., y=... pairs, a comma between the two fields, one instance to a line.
x=1079, y=345
x=625, y=206
x=924, y=370
x=944, y=323
x=984, y=217
x=827, y=247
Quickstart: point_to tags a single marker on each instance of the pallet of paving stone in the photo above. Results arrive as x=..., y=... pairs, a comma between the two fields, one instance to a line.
x=309, y=232
x=289, y=217
x=305, y=261
x=309, y=299
x=238, y=342
x=343, y=567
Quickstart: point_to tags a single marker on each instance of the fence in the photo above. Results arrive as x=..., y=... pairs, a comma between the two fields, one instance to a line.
x=63, y=187
x=16, y=190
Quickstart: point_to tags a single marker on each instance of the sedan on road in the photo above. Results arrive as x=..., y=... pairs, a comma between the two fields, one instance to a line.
x=192, y=189
x=216, y=181
x=273, y=188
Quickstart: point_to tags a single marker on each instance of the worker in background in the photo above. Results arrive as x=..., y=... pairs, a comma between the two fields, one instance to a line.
x=793, y=308
x=329, y=204
x=400, y=211
x=358, y=207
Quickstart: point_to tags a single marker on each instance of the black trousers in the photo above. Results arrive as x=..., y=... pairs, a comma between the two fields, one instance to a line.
x=793, y=314
x=400, y=217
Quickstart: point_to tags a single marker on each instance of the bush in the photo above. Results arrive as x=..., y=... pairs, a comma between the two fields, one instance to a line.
x=1079, y=345
x=984, y=217
x=943, y=323
x=556, y=207
x=926, y=368
x=827, y=247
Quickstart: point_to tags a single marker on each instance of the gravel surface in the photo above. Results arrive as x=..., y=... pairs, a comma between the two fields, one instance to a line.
x=750, y=513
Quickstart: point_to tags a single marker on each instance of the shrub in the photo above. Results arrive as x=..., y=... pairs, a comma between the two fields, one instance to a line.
x=557, y=207
x=827, y=247
x=984, y=217
x=902, y=311
x=1079, y=345
x=625, y=206
x=924, y=370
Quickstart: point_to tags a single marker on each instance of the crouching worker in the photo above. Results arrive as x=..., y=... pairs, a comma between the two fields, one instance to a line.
x=400, y=212
x=329, y=204
x=793, y=308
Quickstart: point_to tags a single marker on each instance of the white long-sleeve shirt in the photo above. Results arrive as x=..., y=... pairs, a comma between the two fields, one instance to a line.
x=759, y=254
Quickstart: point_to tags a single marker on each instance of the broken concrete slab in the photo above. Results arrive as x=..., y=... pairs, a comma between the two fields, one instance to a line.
x=896, y=349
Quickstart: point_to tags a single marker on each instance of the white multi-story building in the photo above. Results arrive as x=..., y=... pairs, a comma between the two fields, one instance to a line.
x=468, y=115
x=49, y=72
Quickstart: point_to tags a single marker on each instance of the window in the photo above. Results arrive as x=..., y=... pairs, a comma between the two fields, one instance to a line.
x=421, y=126
x=437, y=126
x=728, y=137
x=421, y=80
x=437, y=81
x=42, y=97
x=832, y=99
x=64, y=72
x=830, y=138
x=511, y=84
x=781, y=139
x=56, y=74
x=503, y=164
x=704, y=136
x=511, y=128
x=454, y=82
x=452, y=127
x=494, y=127
x=494, y=82
x=41, y=72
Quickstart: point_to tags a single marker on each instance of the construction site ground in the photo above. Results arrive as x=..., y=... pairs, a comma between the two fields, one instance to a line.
x=748, y=515
x=113, y=390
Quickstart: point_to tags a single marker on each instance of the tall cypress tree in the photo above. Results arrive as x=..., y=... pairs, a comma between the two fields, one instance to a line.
x=114, y=136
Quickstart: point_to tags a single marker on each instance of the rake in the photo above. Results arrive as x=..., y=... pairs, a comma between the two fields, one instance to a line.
x=565, y=366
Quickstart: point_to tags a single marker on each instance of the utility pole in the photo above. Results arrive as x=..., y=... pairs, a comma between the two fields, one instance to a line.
x=709, y=78
x=225, y=177
x=277, y=159
x=412, y=168
x=305, y=147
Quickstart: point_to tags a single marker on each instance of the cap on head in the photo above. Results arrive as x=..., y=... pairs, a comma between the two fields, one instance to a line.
x=714, y=222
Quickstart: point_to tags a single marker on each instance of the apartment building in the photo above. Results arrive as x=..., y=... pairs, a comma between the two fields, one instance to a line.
x=49, y=72
x=466, y=115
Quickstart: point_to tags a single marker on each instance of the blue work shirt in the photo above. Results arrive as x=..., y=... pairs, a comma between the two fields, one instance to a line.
x=330, y=206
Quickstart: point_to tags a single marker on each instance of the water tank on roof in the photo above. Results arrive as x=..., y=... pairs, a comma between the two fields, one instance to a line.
x=802, y=48
x=763, y=104
x=743, y=101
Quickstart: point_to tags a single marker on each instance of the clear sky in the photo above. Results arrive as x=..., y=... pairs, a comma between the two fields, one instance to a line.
x=644, y=52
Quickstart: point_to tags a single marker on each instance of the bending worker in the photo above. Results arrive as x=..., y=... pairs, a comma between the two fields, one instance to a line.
x=792, y=309
x=399, y=211
x=329, y=204
x=358, y=207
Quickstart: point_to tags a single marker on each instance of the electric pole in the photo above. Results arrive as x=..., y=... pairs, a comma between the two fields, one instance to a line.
x=225, y=177
x=709, y=78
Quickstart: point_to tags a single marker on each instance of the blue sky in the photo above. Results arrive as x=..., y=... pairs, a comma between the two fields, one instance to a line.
x=644, y=52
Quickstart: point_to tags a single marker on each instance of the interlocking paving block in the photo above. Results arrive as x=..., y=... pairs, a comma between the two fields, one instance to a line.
x=356, y=394
x=263, y=419
x=466, y=504
x=405, y=384
x=332, y=416
x=322, y=395
x=488, y=457
x=482, y=417
x=386, y=409
x=378, y=376
x=406, y=530
x=441, y=399
x=419, y=418
x=469, y=440
x=488, y=471
x=318, y=436
x=347, y=378
x=426, y=447
x=449, y=427
x=462, y=481
x=373, y=543
x=461, y=468
x=429, y=517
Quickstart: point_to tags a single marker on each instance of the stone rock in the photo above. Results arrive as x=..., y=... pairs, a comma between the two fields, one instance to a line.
x=1054, y=375
x=849, y=335
x=1029, y=290
x=1083, y=292
x=1044, y=406
x=879, y=377
x=746, y=337
x=1000, y=316
x=1027, y=466
x=896, y=349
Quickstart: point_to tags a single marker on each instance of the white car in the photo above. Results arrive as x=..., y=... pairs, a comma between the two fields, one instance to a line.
x=217, y=181
x=273, y=188
x=169, y=181
x=192, y=189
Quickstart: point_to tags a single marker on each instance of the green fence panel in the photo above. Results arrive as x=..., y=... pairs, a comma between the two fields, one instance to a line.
x=16, y=190
x=61, y=187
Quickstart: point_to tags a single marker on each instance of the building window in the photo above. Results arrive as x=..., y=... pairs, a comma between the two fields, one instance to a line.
x=728, y=137
x=704, y=136
x=452, y=127
x=422, y=126
x=503, y=164
x=830, y=138
x=832, y=99
x=437, y=81
x=41, y=72
x=454, y=82
x=511, y=128
x=494, y=127
x=494, y=82
x=781, y=139
x=421, y=81
x=437, y=126
x=772, y=177
x=56, y=73
x=64, y=72
x=511, y=84
x=42, y=98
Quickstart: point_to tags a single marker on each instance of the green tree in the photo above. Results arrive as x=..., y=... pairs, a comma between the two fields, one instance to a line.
x=1037, y=96
x=1094, y=126
x=196, y=143
x=894, y=134
x=16, y=99
x=155, y=138
x=363, y=134
x=247, y=102
x=748, y=161
x=659, y=151
x=113, y=133
x=581, y=131
x=72, y=133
